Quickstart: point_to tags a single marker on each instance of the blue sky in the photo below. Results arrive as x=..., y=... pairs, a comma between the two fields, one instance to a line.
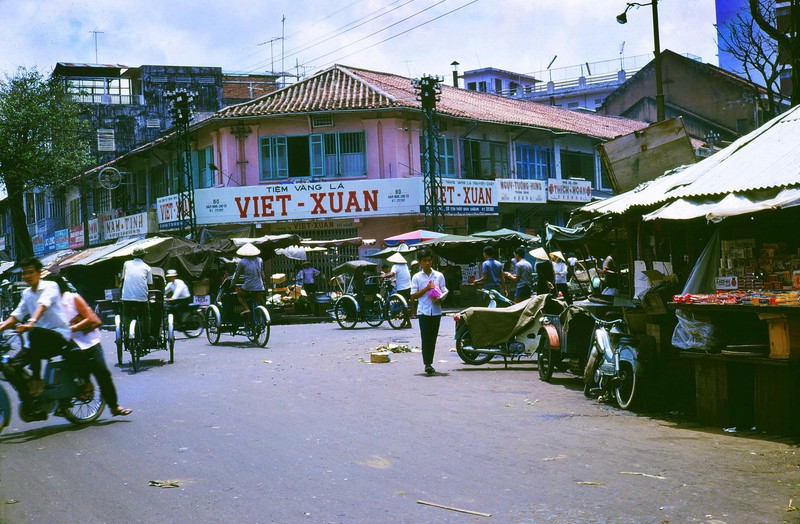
x=518, y=35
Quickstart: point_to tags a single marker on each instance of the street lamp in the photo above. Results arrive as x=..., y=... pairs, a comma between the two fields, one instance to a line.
x=623, y=19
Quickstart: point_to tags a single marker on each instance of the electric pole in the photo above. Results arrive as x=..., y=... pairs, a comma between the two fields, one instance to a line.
x=428, y=90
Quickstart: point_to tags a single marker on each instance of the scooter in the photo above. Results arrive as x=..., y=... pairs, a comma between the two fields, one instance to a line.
x=66, y=394
x=518, y=331
x=495, y=298
x=614, y=368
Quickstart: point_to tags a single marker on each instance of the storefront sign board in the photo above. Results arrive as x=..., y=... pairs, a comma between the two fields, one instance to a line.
x=94, y=231
x=76, y=237
x=510, y=190
x=466, y=197
x=62, y=239
x=168, y=212
x=125, y=226
x=569, y=190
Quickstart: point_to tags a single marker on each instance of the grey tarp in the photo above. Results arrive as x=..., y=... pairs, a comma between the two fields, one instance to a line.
x=489, y=326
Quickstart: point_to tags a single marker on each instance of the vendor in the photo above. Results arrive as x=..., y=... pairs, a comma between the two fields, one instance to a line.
x=306, y=277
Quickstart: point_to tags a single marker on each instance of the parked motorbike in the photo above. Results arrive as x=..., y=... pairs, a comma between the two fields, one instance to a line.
x=614, y=368
x=483, y=333
x=495, y=298
x=66, y=394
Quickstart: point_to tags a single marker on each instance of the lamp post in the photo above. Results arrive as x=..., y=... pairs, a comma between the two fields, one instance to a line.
x=711, y=138
x=623, y=19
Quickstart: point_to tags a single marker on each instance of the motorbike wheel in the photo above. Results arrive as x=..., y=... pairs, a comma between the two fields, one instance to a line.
x=192, y=324
x=373, y=314
x=345, y=312
x=397, y=313
x=546, y=358
x=466, y=351
x=83, y=411
x=588, y=374
x=261, y=327
x=627, y=387
x=212, y=326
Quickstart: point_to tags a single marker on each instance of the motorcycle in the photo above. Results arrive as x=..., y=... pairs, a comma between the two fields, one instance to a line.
x=483, y=333
x=614, y=368
x=496, y=299
x=66, y=394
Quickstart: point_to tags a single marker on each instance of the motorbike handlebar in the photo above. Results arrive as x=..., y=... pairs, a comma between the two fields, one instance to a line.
x=608, y=324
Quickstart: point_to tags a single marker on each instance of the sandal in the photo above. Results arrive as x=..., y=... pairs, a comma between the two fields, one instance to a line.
x=121, y=412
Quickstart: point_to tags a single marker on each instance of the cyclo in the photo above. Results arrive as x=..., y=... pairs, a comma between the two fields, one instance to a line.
x=162, y=328
x=359, y=300
x=225, y=316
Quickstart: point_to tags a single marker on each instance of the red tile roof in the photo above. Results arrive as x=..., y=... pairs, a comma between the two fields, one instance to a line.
x=348, y=88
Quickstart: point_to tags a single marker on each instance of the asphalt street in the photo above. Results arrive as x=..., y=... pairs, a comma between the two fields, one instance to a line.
x=306, y=430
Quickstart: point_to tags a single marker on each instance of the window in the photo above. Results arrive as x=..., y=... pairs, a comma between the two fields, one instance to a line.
x=575, y=164
x=534, y=162
x=742, y=126
x=57, y=203
x=472, y=86
x=484, y=160
x=322, y=120
x=482, y=87
x=102, y=200
x=100, y=90
x=75, y=212
x=498, y=85
x=39, y=205
x=30, y=208
x=318, y=155
x=572, y=105
x=158, y=182
x=605, y=180
x=514, y=88
x=205, y=175
x=447, y=156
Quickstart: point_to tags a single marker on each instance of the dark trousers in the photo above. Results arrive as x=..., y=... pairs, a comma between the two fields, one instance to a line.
x=44, y=344
x=429, y=330
x=564, y=288
x=92, y=361
x=139, y=310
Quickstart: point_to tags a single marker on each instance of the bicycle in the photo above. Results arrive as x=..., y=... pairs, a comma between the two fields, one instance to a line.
x=395, y=306
x=189, y=320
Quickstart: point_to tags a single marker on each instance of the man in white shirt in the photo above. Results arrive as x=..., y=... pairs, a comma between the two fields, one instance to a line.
x=48, y=331
x=428, y=288
x=137, y=277
x=176, y=293
x=402, y=278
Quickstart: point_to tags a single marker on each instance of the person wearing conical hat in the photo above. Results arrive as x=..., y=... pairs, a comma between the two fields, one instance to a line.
x=560, y=269
x=251, y=269
x=545, y=277
x=402, y=277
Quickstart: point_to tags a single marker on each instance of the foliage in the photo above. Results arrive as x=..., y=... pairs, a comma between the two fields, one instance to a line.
x=43, y=141
x=787, y=38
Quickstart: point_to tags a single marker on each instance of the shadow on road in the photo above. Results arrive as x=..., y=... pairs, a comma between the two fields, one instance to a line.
x=46, y=431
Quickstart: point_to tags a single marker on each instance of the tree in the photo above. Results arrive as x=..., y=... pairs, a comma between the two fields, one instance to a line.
x=43, y=143
x=758, y=55
x=788, y=38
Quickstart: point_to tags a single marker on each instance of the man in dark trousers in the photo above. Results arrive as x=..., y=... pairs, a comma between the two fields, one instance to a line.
x=429, y=290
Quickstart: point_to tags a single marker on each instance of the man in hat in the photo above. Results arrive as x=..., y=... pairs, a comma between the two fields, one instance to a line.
x=402, y=276
x=545, y=277
x=523, y=276
x=306, y=277
x=560, y=269
x=176, y=293
x=137, y=278
x=251, y=269
x=6, y=300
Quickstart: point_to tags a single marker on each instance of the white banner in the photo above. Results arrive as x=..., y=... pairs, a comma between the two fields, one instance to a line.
x=521, y=191
x=125, y=226
x=466, y=197
x=167, y=211
x=303, y=201
x=569, y=190
x=94, y=231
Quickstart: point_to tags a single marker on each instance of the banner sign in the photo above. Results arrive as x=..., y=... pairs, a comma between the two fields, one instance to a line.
x=569, y=190
x=49, y=243
x=314, y=225
x=76, y=237
x=62, y=239
x=94, y=231
x=521, y=191
x=303, y=201
x=38, y=245
x=168, y=212
x=124, y=226
x=466, y=197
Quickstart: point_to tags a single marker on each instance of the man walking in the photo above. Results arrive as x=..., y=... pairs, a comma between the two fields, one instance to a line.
x=428, y=288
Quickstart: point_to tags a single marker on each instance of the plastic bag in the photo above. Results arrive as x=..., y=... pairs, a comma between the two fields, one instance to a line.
x=435, y=292
x=692, y=334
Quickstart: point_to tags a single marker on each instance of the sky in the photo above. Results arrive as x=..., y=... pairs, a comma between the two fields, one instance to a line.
x=517, y=35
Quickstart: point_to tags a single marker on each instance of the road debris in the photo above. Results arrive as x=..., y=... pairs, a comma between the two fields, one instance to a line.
x=792, y=507
x=470, y=512
x=643, y=475
x=589, y=483
x=14, y=501
x=392, y=348
x=164, y=483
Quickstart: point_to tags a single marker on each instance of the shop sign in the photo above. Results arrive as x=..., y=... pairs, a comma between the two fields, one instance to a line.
x=569, y=190
x=313, y=225
x=125, y=226
x=62, y=239
x=38, y=245
x=727, y=283
x=303, y=201
x=50, y=243
x=167, y=211
x=76, y=237
x=521, y=191
x=466, y=197
x=202, y=300
x=94, y=231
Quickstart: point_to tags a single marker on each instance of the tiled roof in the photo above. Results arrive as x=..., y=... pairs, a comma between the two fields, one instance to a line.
x=348, y=88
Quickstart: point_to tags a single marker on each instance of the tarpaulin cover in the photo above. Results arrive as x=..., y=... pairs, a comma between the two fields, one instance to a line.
x=508, y=238
x=489, y=326
x=457, y=248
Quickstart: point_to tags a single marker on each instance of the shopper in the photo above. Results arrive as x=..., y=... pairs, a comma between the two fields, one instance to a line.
x=429, y=290
x=523, y=276
x=545, y=277
x=561, y=270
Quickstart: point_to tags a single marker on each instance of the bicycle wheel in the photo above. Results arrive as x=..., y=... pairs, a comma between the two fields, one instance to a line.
x=373, y=312
x=135, y=344
x=397, y=312
x=118, y=337
x=192, y=324
x=345, y=312
x=170, y=337
x=212, y=325
x=85, y=408
x=261, y=327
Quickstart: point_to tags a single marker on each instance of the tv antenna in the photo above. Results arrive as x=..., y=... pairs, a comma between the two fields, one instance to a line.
x=96, y=32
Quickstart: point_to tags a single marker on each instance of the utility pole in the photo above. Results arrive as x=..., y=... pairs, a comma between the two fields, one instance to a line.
x=181, y=112
x=428, y=90
x=283, y=39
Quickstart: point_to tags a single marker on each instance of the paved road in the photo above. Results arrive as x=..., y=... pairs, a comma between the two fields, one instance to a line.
x=306, y=431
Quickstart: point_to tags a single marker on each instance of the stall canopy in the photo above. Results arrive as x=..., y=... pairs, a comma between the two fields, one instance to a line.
x=457, y=248
x=399, y=248
x=508, y=238
x=761, y=170
x=89, y=255
x=412, y=237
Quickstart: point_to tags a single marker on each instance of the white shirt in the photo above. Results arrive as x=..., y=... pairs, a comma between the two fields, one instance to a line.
x=425, y=305
x=402, y=276
x=136, y=275
x=46, y=294
x=179, y=289
x=560, y=269
x=83, y=340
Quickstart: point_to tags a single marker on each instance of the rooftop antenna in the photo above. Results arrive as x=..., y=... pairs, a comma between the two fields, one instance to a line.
x=622, y=56
x=271, y=41
x=408, y=66
x=283, y=35
x=548, y=66
x=588, y=70
x=96, y=32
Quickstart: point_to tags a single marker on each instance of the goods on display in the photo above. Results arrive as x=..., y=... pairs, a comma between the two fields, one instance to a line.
x=753, y=266
x=755, y=298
